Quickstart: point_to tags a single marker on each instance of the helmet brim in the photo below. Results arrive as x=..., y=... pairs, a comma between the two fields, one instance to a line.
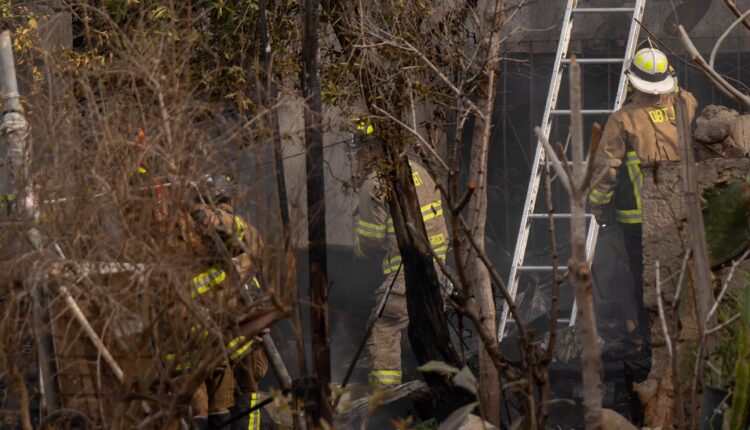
x=666, y=86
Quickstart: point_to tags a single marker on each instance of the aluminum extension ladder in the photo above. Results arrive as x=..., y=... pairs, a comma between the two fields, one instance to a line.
x=550, y=110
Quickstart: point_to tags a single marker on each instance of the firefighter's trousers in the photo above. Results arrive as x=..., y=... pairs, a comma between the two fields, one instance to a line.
x=248, y=370
x=384, y=344
x=215, y=395
x=633, y=235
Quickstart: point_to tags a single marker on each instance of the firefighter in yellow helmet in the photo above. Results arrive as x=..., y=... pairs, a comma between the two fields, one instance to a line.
x=374, y=230
x=644, y=131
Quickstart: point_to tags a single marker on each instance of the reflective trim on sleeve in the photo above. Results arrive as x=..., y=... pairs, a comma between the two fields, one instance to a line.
x=208, y=279
x=240, y=351
x=600, y=198
x=386, y=377
x=240, y=227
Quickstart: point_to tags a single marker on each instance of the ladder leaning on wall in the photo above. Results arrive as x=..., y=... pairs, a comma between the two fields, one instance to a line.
x=634, y=14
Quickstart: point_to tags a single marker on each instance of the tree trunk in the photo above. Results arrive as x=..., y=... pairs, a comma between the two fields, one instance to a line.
x=489, y=380
x=428, y=328
x=580, y=272
x=316, y=211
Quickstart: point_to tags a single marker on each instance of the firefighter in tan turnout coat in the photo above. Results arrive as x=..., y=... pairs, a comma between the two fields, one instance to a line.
x=644, y=131
x=374, y=229
x=237, y=377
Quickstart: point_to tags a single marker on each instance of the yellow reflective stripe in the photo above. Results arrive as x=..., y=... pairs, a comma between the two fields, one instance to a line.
x=367, y=229
x=632, y=159
x=432, y=210
x=184, y=365
x=632, y=216
x=142, y=169
x=240, y=227
x=371, y=226
x=599, y=197
x=208, y=279
x=241, y=350
x=598, y=201
x=194, y=331
x=367, y=233
x=429, y=211
x=254, y=418
x=391, y=265
x=386, y=377
x=256, y=282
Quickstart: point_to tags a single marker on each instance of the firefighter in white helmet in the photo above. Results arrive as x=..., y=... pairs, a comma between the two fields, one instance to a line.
x=374, y=229
x=644, y=131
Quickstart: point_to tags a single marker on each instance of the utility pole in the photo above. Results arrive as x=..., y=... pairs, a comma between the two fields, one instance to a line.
x=316, y=215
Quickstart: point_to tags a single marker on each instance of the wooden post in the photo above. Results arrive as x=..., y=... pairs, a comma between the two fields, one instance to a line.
x=316, y=211
x=703, y=285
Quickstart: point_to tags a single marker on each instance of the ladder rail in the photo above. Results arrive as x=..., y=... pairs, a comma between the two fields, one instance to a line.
x=552, y=96
x=531, y=193
x=622, y=92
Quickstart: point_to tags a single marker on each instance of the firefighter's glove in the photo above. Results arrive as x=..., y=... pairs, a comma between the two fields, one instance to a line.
x=206, y=218
x=601, y=213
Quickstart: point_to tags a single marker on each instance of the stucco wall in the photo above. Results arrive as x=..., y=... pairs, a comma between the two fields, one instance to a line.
x=535, y=26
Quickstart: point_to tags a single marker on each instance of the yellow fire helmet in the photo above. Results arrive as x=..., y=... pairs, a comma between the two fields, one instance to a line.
x=650, y=73
x=362, y=136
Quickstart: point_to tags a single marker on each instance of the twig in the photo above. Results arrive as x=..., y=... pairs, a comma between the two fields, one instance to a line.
x=465, y=198
x=681, y=278
x=596, y=135
x=555, y=279
x=712, y=75
x=550, y=351
x=733, y=7
x=662, y=317
x=564, y=179
x=725, y=286
x=93, y=337
x=724, y=324
x=724, y=36
x=416, y=134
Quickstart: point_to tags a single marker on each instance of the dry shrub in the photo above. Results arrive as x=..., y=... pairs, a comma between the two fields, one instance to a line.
x=134, y=66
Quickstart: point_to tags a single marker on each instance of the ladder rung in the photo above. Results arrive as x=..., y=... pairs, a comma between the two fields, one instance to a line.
x=511, y=321
x=583, y=111
x=544, y=216
x=541, y=268
x=602, y=9
x=596, y=60
x=570, y=162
